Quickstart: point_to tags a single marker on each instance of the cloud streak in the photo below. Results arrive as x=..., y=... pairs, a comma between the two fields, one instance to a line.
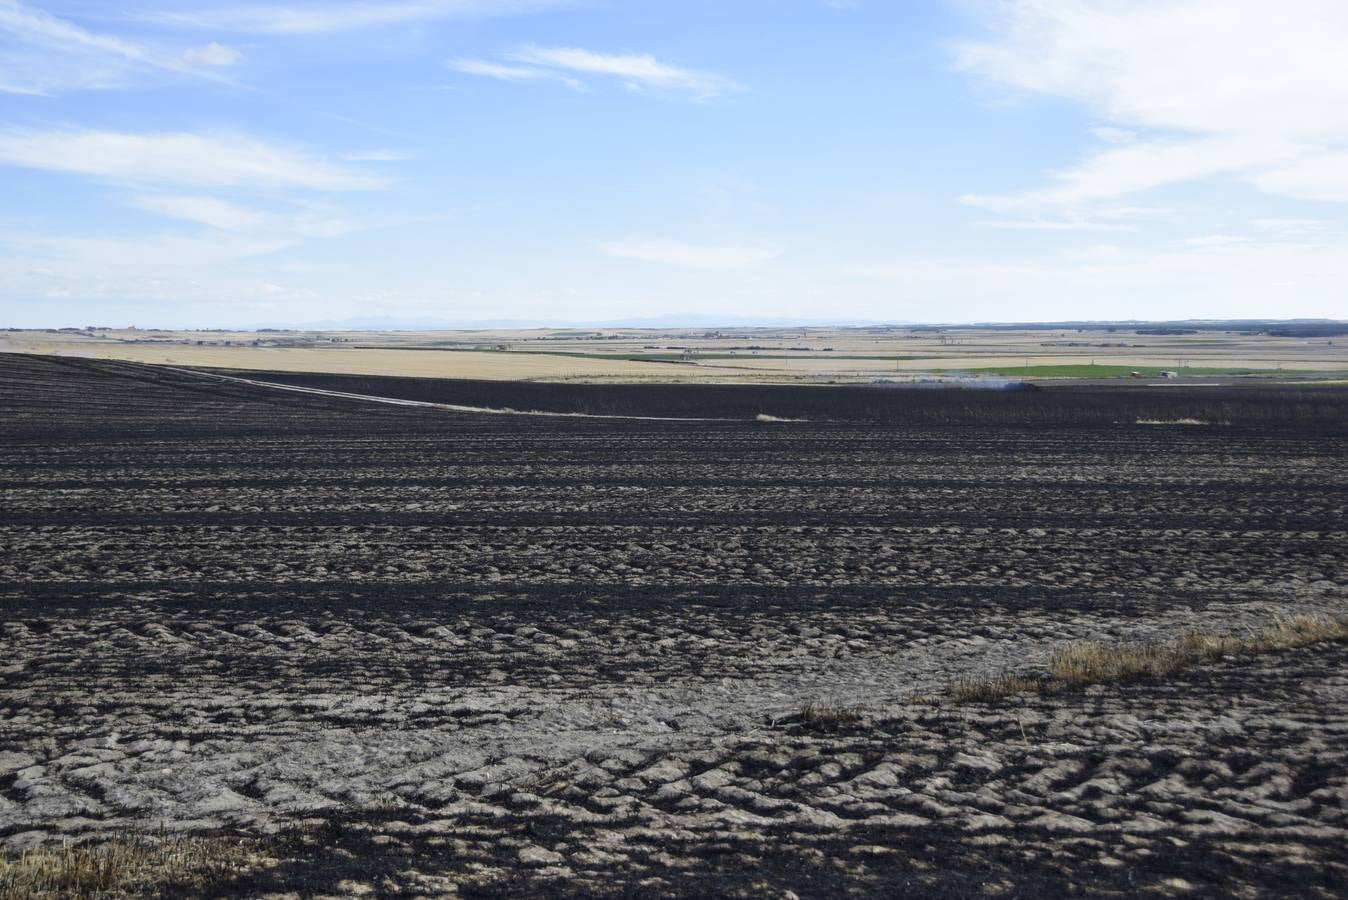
x=1192, y=88
x=182, y=158
x=641, y=70
x=50, y=54
x=568, y=64
x=210, y=211
x=332, y=18
x=506, y=72
x=212, y=54
x=39, y=27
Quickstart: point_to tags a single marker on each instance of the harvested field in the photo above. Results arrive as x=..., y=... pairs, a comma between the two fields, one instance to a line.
x=414, y=650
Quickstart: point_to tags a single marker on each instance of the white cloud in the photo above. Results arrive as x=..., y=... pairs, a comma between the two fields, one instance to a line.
x=1213, y=66
x=304, y=221
x=641, y=70
x=23, y=90
x=564, y=64
x=210, y=211
x=328, y=18
x=1292, y=226
x=1142, y=166
x=1311, y=176
x=1240, y=88
x=49, y=54
x=211, y=160
x=36, y=26
x=212, y=54
x=691, y=256
x=377, y=156
x=505, y=72
x=495, y=70
x=1111, y=135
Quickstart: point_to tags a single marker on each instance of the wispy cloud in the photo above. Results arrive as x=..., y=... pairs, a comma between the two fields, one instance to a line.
x=212, y=54
x=641, y=70
x=210, y=211
x=289, y=222
x=51, y=54
x=328, y=18
x=210, y=160
x=1312, y=175
x=567, y=64
x=505, y=72
x=23, y=90
x=690, y=256
x=1292, y=226
x=1141, y=166
x=40, y=27
x=377, y=156
x=1190, y=89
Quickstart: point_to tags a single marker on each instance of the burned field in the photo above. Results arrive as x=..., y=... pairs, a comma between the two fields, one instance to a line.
x=429, y=651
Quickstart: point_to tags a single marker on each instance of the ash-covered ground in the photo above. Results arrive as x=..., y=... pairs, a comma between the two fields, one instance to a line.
x=436, y=652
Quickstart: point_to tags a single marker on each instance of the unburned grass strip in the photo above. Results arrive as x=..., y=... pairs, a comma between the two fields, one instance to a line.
x=128, y=866
x=1083, y=663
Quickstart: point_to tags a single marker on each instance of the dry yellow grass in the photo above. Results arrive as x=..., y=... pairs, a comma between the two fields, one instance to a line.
x=987, y=690
x=414, y=363
x=128, y=867
x=1089, y=662
x=1084, y=663
x=1285, y=634
x=826, y=717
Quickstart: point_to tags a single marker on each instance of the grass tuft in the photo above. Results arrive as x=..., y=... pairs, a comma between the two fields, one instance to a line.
x=1090, y=662
x=1182, y=421
x=821, y=717
x=1082, y=663
x=127, y=866
x=988, y=690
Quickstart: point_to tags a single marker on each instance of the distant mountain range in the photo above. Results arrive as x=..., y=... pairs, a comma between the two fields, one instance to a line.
x=1297, y=327
x=677, y=320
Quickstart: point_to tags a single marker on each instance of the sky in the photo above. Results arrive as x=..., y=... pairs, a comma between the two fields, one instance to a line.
x=231, y=163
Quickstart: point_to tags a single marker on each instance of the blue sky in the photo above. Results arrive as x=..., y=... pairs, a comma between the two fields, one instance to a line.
x=216, y=163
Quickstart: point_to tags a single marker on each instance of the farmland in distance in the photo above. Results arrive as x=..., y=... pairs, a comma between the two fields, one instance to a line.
x=802, y=355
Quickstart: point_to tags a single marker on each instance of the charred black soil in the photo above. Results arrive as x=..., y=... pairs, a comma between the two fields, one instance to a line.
x=990, y=402
x=431, y=651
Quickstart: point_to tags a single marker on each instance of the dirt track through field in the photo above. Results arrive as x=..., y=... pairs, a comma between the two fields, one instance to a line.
x=569, y=656
x=448, y=407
